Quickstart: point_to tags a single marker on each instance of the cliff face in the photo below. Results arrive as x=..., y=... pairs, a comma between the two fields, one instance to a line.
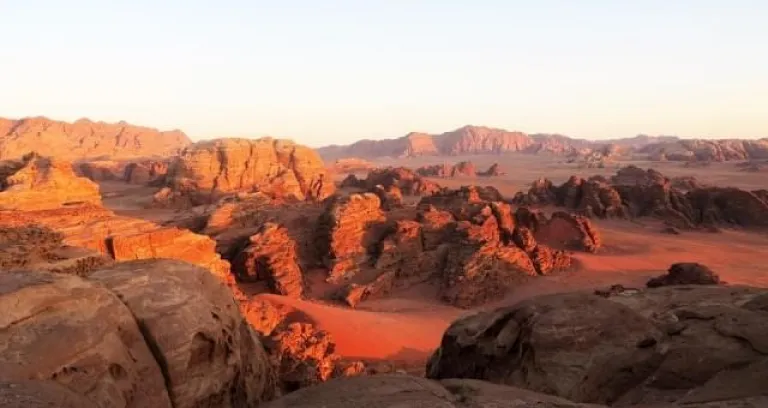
x=85, y=139
x=484, y=140
x=207, y=170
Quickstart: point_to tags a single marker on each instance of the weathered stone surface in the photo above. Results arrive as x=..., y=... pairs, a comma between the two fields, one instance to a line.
x=84, y=139
x=304, y=356
x=700, y=346
x=206, y=171
x=570, y=231
x=191, y=322
x=78, y=334
x=145, y=172
x=100, y=170
x=270, y=256
x=493, y=171
x=40, y=394
x=686, y=274
x=37, y=183
x=390, y=197
x=347, y=232
x=403, y=178
x=460, y=169
x=351, y=165
x=403, y=391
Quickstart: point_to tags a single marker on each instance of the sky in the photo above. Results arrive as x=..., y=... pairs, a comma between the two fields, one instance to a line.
x=336, y=71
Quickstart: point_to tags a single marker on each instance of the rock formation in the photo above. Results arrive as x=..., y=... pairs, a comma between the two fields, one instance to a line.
x=460, y=169
x=132, y=342
x=493, y=171
x=686, y=273
x=209, y=170
x=37, y=183
x=347, y=231
x=351, y=165
x=633, y=192
x=145, y=172
x=683, y=344
x=403, y=178
x=85, y=139
x=271, y=256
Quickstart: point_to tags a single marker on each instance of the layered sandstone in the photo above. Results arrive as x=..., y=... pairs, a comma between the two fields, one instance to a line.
x=85, y=139
x=38, y=183
x=209, y=170
x=460, y=169
x=406, y=180
x=351, y=165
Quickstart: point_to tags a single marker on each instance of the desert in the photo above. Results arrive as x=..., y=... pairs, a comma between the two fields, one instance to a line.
x=243, y=271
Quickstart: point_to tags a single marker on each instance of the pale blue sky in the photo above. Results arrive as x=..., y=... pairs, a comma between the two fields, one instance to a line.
x=335, y=71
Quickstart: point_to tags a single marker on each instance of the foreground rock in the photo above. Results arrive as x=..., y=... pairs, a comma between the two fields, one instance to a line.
x=405, y=391
x=141, y=334
x=40, y=394
x=210, y=355
x=85, y=139
x=37, y=183
x=693, y=346
x=209, y=170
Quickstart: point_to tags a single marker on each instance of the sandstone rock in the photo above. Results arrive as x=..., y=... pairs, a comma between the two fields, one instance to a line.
x=271, y=256
x=85, y=139
x=206, y=171
x=106, y=358
x=390, y=197
x=347, y=231
x=263, y=316
x=352, y=165
x=405, y=179
x=191, y=322
x=686, y=274
x=571, y=231
x=44, y=183
x=473, y=276
x=354, y=293
x=146, y=172
x=493, y=171
x=437, y=225
x=673, y=345
x=100, y=170
x=351, y=181
x=460, y=169
x=40, y=394
x=404, y=391
x=304, y=355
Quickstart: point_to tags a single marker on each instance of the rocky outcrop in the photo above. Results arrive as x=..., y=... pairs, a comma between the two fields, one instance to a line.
x=132, y=342
x=633, y=192
x=145, y=172
x=493, y=171
x=686, y=345
x=406, y=180
x=686, y=273
x=122, y=238
x=391, y=197
x=270, y=256
x=100, y=170
x=569, y=231
x=347, y=232
x=38, y=183
x=404, y=391
x=304, y=356
x=209, y=170
x=85, y=139
x=709, y=150
x=460, y=169
x=351, y=165
x=40, y=394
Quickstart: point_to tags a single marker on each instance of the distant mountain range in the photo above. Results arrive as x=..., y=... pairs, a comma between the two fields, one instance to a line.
x=85, y=139
x=470, y=140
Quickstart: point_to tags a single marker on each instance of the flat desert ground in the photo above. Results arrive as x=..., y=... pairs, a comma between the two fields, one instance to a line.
x=407, y=326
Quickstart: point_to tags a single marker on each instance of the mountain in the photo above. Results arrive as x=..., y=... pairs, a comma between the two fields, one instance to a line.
x=85, y=139
x=469, y=140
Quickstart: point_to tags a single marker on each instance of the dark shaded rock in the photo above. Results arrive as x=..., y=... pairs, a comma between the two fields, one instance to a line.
x=686, y=274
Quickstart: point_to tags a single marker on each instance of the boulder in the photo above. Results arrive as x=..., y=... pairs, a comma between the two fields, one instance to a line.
x=686, y=274
x=405, y=179
x=209, y=355
x=208, y=170
x=688, y=345
x=304, y=355
x=38, y=183
x=80, y=335
x=270, y=256
x=571, y=231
